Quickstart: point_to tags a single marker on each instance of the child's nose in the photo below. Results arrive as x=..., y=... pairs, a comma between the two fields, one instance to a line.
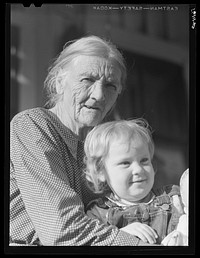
x=136, y=168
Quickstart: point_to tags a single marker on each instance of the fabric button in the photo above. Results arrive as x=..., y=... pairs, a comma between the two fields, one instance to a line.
x=165, y=206
x=145, y=216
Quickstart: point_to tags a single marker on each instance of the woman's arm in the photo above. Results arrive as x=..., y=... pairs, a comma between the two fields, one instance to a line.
x=53, y=206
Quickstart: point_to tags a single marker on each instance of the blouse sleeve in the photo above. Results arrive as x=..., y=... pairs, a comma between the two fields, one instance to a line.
x=53, y=206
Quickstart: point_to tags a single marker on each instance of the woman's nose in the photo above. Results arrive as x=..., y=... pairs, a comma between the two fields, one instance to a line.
x=98, y=91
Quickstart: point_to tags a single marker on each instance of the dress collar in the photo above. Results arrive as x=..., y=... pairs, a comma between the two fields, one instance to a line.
x=124, y=204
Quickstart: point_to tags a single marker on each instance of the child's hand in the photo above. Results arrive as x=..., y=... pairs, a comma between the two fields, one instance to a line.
x=142, y=231
x=175, y=238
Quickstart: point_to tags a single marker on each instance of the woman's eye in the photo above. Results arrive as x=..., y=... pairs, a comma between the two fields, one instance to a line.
x=87, y=79
x=111, y=86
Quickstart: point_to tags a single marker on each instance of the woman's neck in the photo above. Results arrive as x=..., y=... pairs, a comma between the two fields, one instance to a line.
x=67, y=120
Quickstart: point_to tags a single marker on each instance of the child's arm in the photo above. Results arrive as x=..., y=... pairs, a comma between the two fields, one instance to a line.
x=180, y=235
x=173, y=239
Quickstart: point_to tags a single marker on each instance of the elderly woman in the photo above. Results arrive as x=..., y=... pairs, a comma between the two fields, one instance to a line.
x=47, y=190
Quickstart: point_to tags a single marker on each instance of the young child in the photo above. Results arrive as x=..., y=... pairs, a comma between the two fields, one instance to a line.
x=180, y=235
x=119, y=167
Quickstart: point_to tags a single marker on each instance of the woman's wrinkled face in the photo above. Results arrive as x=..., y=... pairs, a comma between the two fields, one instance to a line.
x=91, y=88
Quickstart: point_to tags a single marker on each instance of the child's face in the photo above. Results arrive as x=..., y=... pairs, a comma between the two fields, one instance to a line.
x=129, y=169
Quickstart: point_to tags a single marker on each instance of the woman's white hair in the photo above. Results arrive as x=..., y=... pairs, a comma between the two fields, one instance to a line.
x=97, y=144
x=88, y=46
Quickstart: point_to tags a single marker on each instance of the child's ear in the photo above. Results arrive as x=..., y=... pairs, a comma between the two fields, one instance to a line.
x=154, y=164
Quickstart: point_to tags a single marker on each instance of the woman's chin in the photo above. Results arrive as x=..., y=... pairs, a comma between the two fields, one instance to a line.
x=90, y=121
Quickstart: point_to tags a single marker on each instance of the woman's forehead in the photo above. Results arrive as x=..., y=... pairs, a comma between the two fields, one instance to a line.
x=96, y=66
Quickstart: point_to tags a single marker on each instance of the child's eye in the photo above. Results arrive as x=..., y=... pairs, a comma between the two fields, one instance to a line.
x=145, y=160
x=125, y=163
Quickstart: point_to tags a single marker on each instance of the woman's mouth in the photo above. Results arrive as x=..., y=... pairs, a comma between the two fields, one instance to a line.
x=90, y=107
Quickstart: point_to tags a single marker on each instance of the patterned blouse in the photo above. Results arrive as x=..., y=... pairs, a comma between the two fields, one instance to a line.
x=48, y=193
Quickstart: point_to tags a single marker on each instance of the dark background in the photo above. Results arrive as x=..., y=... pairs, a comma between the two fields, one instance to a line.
x=154, y=40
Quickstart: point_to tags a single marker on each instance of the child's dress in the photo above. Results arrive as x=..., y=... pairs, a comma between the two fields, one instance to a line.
x=161, y=213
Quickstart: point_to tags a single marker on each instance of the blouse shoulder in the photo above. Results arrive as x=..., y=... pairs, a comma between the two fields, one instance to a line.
x=36, y=117
x=40, y=123
x=34, y=114
x=31, y=123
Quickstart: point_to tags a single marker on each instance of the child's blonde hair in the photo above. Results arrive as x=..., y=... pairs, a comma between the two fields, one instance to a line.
x=97, y=144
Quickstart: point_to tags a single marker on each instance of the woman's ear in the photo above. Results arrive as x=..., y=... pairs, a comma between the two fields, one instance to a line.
x=59, y=86
x=61, y=81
